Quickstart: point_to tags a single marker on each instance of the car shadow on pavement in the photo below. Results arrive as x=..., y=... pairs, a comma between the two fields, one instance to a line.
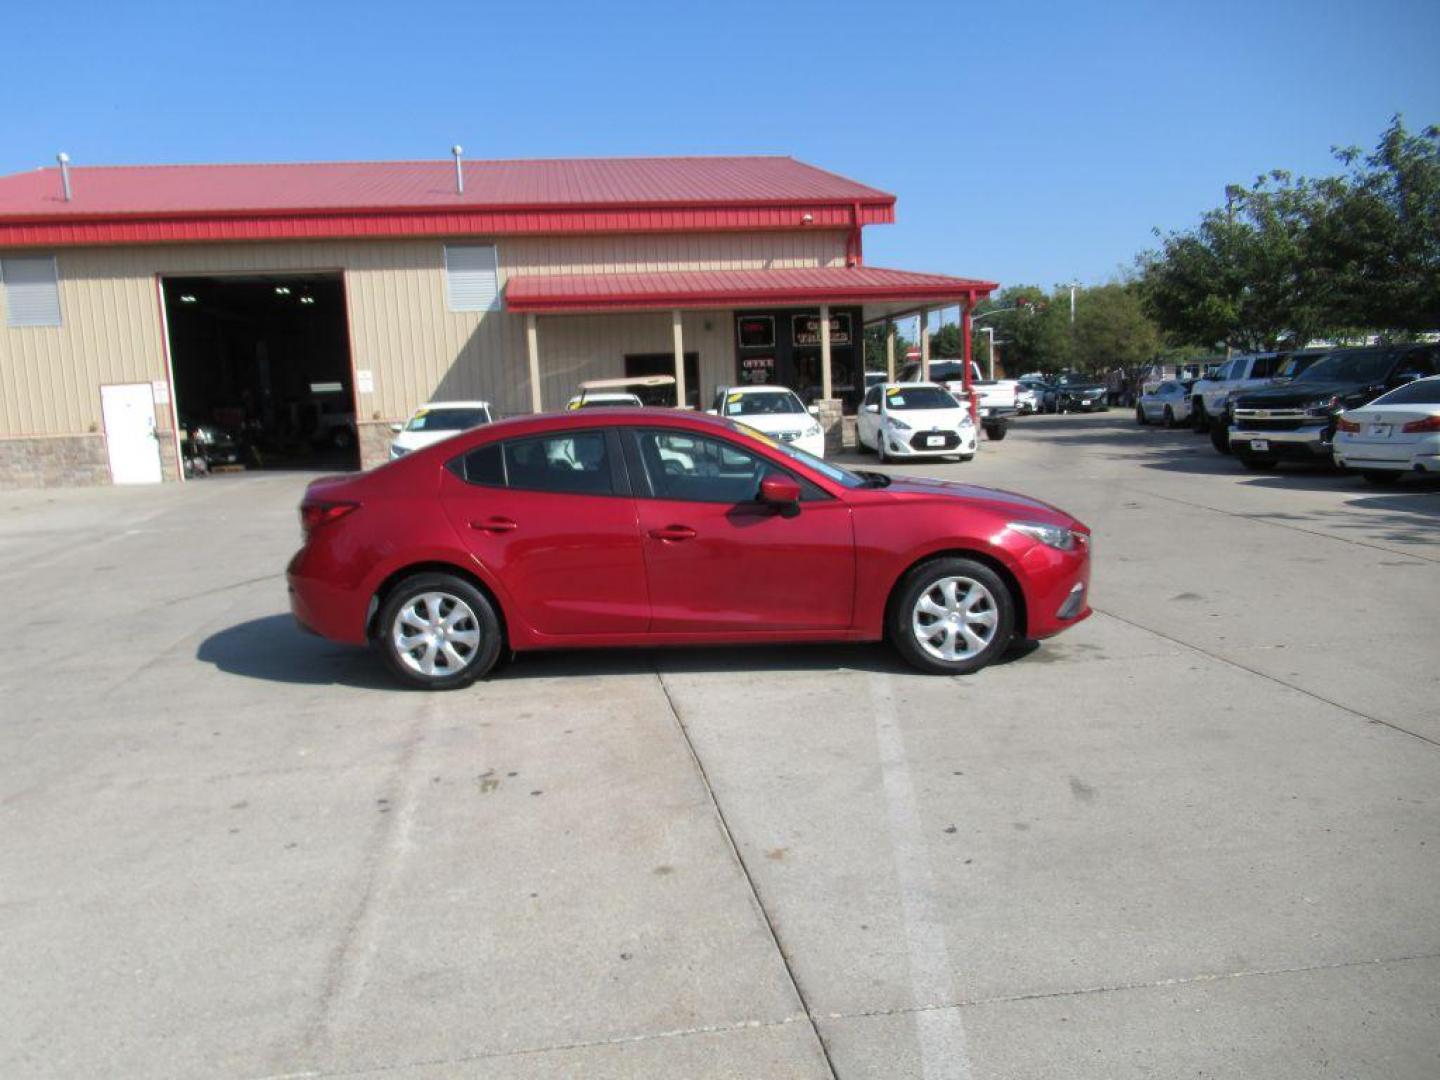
x=274, y=649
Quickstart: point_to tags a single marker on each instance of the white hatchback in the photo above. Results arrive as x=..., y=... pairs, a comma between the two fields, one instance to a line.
x=1398, y=432
x=774, y=410
x=437, y=420
x=913, y=420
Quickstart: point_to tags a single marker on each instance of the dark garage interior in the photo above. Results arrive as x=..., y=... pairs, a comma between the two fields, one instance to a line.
x=262, y=371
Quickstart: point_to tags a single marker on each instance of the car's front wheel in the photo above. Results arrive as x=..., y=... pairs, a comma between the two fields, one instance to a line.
x=1220, y=435
x=438, y=632
x=1198, y=418
x=951, y=616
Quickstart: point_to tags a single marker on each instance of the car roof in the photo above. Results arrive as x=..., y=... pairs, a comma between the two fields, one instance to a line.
x=455, y=405
x=914, y=385
x=767, y=388
x=608, y=396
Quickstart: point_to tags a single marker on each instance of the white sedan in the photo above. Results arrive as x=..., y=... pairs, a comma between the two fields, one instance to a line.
x=774, y=410
x=1398, y=432
x=1168, y=403
x=437, y=420
x=914, y=420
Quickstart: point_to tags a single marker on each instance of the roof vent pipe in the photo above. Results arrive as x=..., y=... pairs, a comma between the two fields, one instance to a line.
x=64, y=160
x=457, y=150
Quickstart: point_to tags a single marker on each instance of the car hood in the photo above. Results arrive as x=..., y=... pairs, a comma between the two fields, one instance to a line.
x=1001, y=502
x=919, y=418
x=1300, y=393
x=773, y=422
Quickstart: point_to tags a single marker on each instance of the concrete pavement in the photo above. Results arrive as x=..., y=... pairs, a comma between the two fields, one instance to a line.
x=1197, y=835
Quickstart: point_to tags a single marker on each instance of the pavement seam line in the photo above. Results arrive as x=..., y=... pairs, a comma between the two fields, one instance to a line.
x=1269, y=678
x=744, y=869
x=1268, y=519
x=1189, y=980
x=524, y=1051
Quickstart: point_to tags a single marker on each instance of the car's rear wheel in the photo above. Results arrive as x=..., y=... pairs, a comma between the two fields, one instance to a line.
x=951, y=616
x=1379, y=476
x=1140, y=416
x=438, y=632
x=1199, y=420
x=1169, y=416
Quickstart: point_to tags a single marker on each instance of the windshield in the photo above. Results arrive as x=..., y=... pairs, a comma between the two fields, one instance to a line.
x=1365, y=366
x=771, y=403
x=1424, y=392
x=607, y=403
x=905, y=398
x=439, y=419
x=1294, y=365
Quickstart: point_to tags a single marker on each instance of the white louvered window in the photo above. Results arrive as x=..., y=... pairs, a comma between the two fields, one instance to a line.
x=32, y=291
x=472, y=277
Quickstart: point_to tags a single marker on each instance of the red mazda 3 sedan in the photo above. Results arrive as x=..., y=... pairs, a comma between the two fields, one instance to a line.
x=650, y=527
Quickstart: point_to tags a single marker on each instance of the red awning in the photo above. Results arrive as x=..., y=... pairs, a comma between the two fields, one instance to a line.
x=801, y=287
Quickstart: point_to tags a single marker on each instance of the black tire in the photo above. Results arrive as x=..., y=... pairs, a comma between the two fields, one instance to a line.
x=929, y=576
x=880, y=448
x=1199, y=418
x=996, y=432
x=477, y=660
x=1256, y=462
x=1220, y=435
x=1169, y=417
x=1380, y=477
x=1140, y=416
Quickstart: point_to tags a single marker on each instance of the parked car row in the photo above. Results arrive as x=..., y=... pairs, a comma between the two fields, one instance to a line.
x=1374, y=410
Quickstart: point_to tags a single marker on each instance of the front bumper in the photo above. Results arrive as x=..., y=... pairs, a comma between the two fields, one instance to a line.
x=902, y=444
x=1302, y=443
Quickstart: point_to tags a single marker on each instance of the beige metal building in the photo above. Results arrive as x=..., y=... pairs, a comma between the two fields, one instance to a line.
x=307, y=307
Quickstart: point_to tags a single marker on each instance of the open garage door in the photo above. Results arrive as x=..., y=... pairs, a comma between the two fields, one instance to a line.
x=262, y=371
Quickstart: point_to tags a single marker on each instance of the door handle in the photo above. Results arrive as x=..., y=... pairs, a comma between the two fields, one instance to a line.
x=494, y=525
x=673, y=532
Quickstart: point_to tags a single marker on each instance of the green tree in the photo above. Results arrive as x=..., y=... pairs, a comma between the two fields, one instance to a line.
x=1287, y=260
x=875, y=348
x=1111, y=328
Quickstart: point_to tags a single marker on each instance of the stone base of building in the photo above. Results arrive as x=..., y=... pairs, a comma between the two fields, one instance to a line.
x=375, y=439
x=54, y=461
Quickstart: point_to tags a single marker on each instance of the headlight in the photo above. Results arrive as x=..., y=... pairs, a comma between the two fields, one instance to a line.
x=897, y=423
x=1055, y=536
x=811, y=431
x=398, y=451
x=1323, y=407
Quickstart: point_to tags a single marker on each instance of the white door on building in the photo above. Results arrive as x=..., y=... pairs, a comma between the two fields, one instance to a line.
x=129, y=412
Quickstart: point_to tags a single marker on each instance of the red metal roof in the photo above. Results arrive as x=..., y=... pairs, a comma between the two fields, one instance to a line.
x=172, y=203
x=559, y=293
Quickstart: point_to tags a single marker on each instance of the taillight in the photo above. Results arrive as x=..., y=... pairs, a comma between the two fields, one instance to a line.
x=1430, y=423
x=1347, y=425
x=314, y=515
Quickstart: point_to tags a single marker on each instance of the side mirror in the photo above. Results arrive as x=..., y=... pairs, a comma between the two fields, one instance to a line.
x=397, y=428
x=814, y=410
x=872, y=408
x=779, y=490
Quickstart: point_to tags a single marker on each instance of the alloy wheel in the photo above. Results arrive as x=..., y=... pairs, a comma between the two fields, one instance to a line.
x=435, y=634
x=955, y=618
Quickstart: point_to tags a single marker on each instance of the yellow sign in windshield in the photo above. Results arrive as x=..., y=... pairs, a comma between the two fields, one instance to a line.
x=760, y=436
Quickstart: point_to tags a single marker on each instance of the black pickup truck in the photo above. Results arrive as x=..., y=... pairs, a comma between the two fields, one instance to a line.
x=1296, y=421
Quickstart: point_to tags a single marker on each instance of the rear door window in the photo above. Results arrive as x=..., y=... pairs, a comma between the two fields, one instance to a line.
x=577, y=463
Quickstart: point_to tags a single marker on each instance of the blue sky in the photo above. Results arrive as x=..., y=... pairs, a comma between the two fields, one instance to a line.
x=1026, y=143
